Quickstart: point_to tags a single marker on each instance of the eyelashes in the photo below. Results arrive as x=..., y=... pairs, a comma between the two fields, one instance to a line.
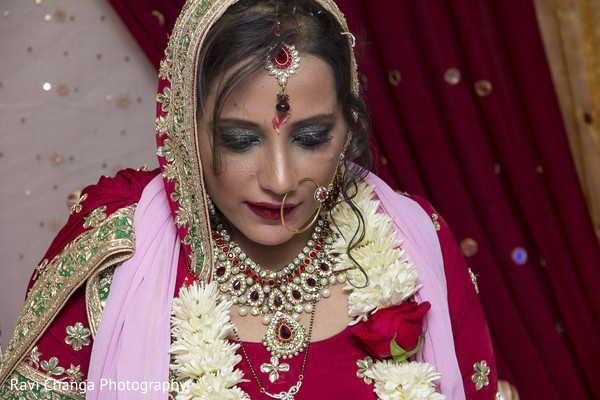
x=238, y=142
x=240, y=139
x=312, y=139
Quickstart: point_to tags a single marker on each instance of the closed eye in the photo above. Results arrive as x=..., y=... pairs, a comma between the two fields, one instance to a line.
x=312, y=137
x=238, y=139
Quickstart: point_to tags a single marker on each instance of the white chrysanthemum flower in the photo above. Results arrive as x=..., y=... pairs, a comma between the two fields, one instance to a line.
x=203, y=359
x=408, y=380
x=388, y=286
x=211, y=385
x=206, y=358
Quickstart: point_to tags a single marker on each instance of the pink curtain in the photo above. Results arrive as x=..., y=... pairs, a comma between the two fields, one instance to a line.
x=466, y=115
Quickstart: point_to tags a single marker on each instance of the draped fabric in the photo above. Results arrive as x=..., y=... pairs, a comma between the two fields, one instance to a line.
x=571, y=34
x=465, y=114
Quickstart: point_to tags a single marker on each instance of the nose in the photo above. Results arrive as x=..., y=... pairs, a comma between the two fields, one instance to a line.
x=278, y=173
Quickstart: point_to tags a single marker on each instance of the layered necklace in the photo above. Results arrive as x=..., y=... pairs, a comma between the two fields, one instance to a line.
x=278, y=297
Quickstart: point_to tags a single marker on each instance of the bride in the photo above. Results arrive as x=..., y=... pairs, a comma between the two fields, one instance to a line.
x=263, y=260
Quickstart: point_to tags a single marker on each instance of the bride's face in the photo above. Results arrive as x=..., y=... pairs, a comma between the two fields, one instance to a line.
x=258, y=166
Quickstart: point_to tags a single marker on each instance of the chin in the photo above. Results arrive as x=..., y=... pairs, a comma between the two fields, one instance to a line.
x=271, y=236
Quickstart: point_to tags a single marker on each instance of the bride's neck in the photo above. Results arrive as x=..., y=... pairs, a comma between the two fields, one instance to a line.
x=276, y=257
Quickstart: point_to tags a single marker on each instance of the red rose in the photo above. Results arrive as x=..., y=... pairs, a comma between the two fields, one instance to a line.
x=391, y=328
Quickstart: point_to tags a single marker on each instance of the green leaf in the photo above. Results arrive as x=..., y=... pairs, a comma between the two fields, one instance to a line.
x=399, y=354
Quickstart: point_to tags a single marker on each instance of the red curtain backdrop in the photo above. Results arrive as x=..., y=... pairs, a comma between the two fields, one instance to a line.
x=465, y=115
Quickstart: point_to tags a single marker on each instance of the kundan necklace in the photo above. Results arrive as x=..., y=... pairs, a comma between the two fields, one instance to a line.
x=280, y=297
x=290, y=291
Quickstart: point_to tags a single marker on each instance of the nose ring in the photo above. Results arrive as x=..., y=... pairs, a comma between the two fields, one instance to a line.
x=321, y=194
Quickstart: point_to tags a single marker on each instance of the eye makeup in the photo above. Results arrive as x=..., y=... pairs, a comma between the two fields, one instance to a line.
x=238, y=139
x=312, y=136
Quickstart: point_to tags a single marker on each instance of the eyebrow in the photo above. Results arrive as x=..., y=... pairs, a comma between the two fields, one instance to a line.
x=317, y=119
x=239, y=123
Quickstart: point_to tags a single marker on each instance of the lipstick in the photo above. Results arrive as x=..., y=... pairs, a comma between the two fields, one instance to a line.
x=269, y=211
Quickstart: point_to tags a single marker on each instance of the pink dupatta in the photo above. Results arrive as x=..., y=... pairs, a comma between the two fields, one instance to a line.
x=130, y=357
x=415, y=228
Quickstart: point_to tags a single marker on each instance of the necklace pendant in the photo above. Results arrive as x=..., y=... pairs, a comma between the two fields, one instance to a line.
x=285, y=337
x=274, y=368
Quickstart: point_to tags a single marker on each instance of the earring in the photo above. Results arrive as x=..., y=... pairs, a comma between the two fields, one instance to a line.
x=211, y=206
x=321, y=195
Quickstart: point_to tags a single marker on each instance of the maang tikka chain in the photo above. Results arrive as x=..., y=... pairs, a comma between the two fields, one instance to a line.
x=282, y=66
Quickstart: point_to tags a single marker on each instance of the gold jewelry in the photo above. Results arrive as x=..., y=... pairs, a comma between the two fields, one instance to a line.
x=285, y=293
x=320, y=196
x=290, y=290
x=212, y=211
x=282, y=66
x=273, y=370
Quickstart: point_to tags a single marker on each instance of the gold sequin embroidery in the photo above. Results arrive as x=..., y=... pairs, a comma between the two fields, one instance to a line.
x=78, y=336
x=481, y=376
x=436, y=224
x=39, y=270
x=94, y=218
x=77, y=207
x=474, y=280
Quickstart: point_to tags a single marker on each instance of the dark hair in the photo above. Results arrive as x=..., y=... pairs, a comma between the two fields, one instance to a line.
x=250, y=30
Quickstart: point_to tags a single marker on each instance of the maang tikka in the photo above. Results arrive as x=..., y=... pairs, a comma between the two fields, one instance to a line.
x=282, y=66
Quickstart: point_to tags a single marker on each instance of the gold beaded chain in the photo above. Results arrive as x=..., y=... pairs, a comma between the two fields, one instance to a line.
x=289, y=395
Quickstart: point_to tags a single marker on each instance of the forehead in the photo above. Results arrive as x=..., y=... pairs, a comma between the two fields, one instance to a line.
x=311, y=89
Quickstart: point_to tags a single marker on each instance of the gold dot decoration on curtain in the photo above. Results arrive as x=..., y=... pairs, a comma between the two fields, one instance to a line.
x=519, y=255
x=159, y=16
x=55, y=224
x=483, y=88
x=56, y=158
x=452, y=76
x=123, y=101
x=469, y=247
x=394, y=77
x=60, y=15
x=62, y=89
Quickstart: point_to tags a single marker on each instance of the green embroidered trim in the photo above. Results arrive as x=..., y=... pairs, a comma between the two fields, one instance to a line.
x=96, y=293
x=108, y=243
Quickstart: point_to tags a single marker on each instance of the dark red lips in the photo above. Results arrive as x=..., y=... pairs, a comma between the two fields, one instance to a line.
x=269, y=211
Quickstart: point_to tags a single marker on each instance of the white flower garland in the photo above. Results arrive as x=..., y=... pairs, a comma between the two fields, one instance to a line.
x=204, y=360
x=392, y=280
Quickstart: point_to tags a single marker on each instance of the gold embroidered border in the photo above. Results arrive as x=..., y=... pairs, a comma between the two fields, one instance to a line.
x=55, y=385
x=108, y=243
x=93, y=303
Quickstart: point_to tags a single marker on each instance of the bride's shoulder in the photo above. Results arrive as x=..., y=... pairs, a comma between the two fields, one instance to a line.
x=66, y=289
